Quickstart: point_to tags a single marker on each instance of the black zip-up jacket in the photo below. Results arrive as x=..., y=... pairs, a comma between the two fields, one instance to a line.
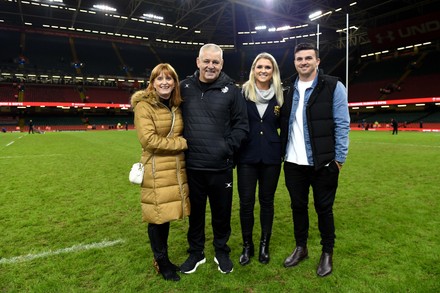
x=215, y=122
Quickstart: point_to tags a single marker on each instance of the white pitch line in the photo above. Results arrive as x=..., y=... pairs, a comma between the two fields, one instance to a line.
x=75, y=248
x=30, y=156
x=14, y=141
x=400, y=144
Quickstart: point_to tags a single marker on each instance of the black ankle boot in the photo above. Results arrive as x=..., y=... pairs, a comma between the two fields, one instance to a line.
x=173, y=266
x=264, y=256
x=166, y=269
x=248, y=251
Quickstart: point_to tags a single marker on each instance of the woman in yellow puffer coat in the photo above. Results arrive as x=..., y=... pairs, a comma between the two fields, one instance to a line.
x=164, y=190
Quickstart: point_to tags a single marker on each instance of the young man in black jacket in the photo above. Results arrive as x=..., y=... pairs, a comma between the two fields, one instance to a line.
x=215, y=119
x=315, y=124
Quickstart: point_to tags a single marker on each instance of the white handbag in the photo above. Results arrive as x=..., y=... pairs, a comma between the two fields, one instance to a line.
x=136, y=175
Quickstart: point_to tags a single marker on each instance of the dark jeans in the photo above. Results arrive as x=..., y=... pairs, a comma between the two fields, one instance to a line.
x=158, y=234
x=217, y=186
x=248, y=175
x=324, y=183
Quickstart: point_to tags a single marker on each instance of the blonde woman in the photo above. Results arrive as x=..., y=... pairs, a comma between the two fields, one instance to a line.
x=259, y=159
x=164, y=190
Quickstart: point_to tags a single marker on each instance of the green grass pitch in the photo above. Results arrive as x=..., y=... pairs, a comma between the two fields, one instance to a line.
x=71, y=222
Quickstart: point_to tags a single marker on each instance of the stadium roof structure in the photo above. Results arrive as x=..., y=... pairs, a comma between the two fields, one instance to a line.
x=232, y=24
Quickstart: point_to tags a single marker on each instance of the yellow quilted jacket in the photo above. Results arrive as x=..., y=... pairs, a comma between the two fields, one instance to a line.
x=164, y=190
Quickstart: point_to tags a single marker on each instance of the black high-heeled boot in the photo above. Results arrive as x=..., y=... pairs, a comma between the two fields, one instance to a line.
x=264, y=256
x=165, y=268
x=158, y=235
x=170, y=264
x=173, y=266
x=248, y=251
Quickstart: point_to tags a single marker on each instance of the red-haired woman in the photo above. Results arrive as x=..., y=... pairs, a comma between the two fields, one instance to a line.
x=164, y=190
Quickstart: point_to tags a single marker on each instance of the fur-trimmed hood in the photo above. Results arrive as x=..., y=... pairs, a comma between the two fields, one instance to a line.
x=143, y=95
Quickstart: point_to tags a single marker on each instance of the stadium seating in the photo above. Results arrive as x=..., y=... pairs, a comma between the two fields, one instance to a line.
x=98, y=58
x=8, y=92
x=51, y=93
x=416, y=73
x=107, y=95
x=48, y=54
x=411, y=76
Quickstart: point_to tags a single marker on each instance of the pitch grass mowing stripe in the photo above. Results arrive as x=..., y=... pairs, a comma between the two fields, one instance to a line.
x=75, y=248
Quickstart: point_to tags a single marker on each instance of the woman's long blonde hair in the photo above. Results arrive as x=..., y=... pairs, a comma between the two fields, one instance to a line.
x=167, y=69
x=249, y=87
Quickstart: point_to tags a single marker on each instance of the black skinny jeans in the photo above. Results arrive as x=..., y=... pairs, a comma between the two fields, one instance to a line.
x=248, y=175
x=324, y=183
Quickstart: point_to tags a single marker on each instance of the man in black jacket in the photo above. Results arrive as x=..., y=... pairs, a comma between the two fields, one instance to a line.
x=215, y=119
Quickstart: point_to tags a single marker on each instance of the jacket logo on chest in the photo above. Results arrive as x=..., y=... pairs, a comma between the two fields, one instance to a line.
x=225, y=90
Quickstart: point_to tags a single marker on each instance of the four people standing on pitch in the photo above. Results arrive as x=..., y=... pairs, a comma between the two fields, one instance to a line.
x=221, y=127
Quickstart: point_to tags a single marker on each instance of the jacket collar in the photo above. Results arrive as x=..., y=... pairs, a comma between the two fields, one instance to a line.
x=220, y=82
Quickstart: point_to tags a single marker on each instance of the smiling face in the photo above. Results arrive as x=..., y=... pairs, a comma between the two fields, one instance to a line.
x=210, y=64
x=164, y=85
x=306, y=64
x=263, y=72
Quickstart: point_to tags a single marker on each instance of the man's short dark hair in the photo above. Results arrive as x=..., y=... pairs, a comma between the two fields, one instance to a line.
x=306, y=46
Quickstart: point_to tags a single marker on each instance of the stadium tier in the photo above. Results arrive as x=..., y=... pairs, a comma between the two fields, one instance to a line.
x=45, y=68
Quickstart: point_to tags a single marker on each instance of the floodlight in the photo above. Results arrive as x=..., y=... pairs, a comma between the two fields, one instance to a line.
x=153, y=16
x=283, y=28
x=315, y=14
x=260, y=27
x=104, y=7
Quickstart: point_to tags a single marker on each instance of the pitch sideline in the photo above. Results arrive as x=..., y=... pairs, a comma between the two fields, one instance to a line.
x=13, y=141
x=74, y=248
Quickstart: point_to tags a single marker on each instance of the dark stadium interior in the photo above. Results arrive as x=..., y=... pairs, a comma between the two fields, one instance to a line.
x=71, y=52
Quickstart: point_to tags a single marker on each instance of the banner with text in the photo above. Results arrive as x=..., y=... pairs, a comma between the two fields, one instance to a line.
x=409, y=32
